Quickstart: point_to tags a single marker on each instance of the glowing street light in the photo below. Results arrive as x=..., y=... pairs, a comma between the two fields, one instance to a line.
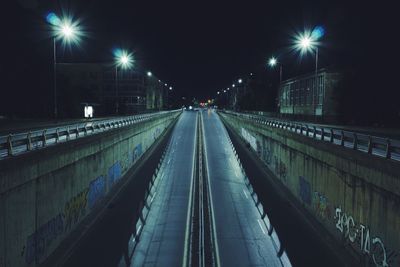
x=149, y=74
x=69, y=32
x=124, y=60
x=308, y=42
x=272, y=62
x=240, y=81
x=170, y=88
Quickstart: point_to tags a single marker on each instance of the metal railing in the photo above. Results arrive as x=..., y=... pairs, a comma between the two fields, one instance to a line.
x=17, y=144
x=378, y=146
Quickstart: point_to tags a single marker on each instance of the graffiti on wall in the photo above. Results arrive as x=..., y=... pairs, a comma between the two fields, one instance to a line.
x=156, y=133
x=304, y=190
x=137, y=152
x=321, y=206
x=267, y=151
x=363, y=240
x=75, y=209
x=41, y=239
x=114, y=174
x=250, y=139
x=97, y=190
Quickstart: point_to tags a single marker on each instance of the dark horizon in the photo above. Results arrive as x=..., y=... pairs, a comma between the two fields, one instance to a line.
x=200, y=48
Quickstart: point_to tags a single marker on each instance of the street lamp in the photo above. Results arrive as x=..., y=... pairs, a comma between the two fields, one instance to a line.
x=272, y=62
x=124, y=60
x=68, y=32
x=240, y=81
x=307, y=42
x=149, y=74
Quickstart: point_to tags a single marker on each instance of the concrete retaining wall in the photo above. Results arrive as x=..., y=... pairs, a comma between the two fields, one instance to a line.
x=46, y=193
x=355, y=196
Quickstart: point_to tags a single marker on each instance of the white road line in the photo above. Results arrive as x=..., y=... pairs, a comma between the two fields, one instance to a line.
x=151, y=201
x=138, y=230
x=259, y=223
x=217, y=258
x=186, y=245
x=245, y=194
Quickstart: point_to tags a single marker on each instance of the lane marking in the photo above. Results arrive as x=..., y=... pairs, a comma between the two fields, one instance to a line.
x=188, y=221
x=262, y=229
x=138, y=230
x=218, y=262
x=245, y=194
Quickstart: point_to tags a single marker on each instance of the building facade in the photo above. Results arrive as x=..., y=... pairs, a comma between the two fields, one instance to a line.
x=311, y=95
x=109, y=90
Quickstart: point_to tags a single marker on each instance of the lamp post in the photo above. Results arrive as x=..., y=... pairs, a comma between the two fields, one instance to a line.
x=307, y=42
x=66, y=31
x=124, y=60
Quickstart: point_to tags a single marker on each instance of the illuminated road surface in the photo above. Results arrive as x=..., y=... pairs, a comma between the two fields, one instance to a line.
x=240, y=237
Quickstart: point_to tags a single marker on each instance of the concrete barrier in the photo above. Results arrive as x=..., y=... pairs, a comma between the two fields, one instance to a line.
x=355, y=196
x=46, y=193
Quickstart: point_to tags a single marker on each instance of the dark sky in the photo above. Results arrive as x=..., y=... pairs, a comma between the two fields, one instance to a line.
x=198, y=47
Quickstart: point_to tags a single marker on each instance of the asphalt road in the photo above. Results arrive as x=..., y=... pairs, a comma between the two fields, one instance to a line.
x=162, y=241
x=242, y=239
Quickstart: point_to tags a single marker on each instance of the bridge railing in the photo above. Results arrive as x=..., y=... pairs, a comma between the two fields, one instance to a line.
x=16, y=144
x=378, y=146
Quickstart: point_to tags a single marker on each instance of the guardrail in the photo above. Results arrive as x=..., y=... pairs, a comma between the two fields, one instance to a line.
x=16, y=144
x=378, y=146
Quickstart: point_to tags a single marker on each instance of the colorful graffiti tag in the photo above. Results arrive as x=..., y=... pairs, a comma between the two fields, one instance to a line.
x=321, y=206
x=75, y=208
x=97, y=190
x=38, y=242
x=114, y=173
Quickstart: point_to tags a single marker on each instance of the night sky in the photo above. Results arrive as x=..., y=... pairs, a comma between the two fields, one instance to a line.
x=199, y=47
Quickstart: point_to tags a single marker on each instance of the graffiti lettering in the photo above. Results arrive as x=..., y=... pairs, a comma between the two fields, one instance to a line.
x=114, y=173
x=75, y=208
x=97, y=190
x=40, y=240
x=360, y=234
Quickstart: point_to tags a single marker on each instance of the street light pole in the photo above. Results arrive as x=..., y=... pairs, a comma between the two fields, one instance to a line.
x=316, y=83
x=67, y=31
x=55, y=77
x=116, y=90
